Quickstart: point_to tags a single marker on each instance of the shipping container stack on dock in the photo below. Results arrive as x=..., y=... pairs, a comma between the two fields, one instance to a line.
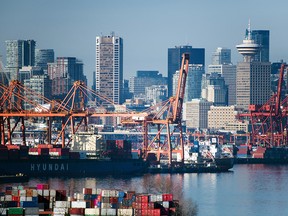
x=42, y=200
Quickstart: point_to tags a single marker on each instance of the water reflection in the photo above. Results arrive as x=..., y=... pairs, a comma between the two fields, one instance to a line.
x=249, y=190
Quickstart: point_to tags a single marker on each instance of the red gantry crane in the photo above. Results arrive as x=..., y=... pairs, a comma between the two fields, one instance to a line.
x=269, y=121
x=167, y=115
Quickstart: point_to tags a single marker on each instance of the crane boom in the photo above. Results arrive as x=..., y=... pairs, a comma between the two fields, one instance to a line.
x=177, y=111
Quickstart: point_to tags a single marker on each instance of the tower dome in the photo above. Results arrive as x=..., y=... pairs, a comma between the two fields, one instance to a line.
x=248, y=48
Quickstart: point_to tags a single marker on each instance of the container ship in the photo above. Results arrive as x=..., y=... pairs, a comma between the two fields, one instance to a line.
x=247, y=154
x=48, y=160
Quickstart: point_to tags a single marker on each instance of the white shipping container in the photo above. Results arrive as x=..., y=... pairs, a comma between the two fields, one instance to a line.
x=46, y=192
x=112, y=193
x=53, y=193
x=58, y=214
x=165, y=204
x=105, y=193
x=57, y=210
x=28, y=198
x=31, y=211
x=2, y=198
x=92, y=211
x=78, y=204
x=159, y=198
x=105, y=205
x=80, y=196
x=22, y=192
x=125, y=212
x=94, y=191
x=61, y=204
x=153, y=198
x=98, y=191
x=22, y=198
x=40, y=192
x=34, y=193
x=108, y=211
x=8, y=197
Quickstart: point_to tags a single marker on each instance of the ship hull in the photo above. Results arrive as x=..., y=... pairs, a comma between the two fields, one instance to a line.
x=71, y=167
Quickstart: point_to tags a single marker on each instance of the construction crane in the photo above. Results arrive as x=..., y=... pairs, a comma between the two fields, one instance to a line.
x=269, y=121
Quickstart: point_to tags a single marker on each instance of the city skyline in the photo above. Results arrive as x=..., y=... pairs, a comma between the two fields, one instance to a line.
x=70, y=29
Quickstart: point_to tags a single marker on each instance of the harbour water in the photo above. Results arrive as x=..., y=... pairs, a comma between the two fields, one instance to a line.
x=246, y=190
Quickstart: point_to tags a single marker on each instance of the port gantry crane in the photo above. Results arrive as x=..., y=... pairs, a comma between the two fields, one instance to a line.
x=167, y=114
x=70, y=109
x=269, y=121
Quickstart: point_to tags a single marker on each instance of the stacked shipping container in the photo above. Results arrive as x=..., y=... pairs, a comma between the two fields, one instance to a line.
x=32, y=201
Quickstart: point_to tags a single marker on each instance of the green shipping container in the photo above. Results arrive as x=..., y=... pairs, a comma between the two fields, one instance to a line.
x=15, y=211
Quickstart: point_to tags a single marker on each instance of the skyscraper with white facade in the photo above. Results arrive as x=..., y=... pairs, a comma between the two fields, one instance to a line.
x=109, y=68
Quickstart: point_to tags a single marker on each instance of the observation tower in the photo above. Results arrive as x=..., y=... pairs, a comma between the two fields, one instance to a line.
x=248, y=48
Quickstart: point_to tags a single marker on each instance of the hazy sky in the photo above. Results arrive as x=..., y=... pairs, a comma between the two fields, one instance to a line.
x=148, y=27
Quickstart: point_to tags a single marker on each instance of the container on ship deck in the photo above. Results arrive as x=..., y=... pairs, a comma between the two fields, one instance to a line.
x=45, y=146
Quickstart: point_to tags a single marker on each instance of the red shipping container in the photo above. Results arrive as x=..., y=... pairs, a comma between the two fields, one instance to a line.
x=113, y=200
x=16, y=198
x=156, y=212
x=87, y=191
x=144, y=211
x=144, y=205
x=79, y=211
x=167, y=197
x=42, y=186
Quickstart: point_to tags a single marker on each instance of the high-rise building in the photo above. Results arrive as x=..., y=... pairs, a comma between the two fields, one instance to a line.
x=197, y=56
x=156, y=93
x=43, y=57
x=193, y=83
x=221, y=63
x=40, y=84
x=221, y=56
x=220, y=116
x=145, y=79
x=253, y=77
x=109, y=68
x=63, y=73
x=261, y=37
x=19, y=53
x=214, y=89
x=195, y=113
